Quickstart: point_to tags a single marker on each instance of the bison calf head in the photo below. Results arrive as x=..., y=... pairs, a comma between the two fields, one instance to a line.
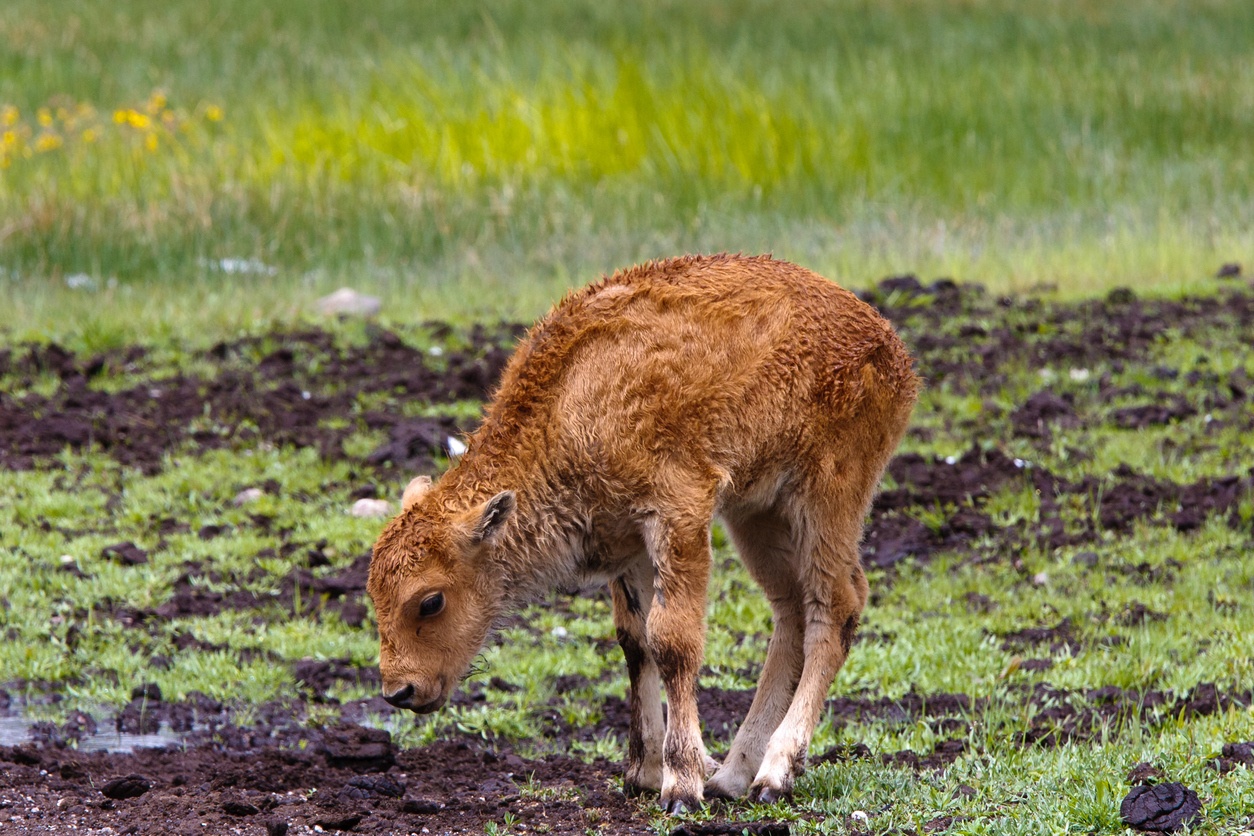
x=435, y=592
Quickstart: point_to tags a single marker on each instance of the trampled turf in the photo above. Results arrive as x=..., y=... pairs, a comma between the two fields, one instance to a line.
x=1060, y=610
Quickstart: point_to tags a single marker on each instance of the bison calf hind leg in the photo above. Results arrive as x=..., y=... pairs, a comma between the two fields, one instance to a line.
x=767, y=547
x=835, y=594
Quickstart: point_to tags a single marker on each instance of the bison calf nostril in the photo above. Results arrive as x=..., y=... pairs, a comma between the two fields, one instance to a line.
x=401, y=698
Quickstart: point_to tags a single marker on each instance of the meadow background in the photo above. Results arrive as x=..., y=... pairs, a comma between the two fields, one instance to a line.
x=201, y=166
x=187, y=175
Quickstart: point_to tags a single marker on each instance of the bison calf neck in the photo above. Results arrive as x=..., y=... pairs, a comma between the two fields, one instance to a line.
x=637, y=410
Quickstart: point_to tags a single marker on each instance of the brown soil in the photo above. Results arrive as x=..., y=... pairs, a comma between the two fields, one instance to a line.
x=280, y=772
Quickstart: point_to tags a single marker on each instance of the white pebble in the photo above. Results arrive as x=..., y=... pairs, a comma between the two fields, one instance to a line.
x=348, y=302
x=559, y=632
x=1040, y=579
x=248, y=495
x=238, y=266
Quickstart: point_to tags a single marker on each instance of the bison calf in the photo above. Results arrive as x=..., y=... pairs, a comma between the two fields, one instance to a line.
x=637, y=410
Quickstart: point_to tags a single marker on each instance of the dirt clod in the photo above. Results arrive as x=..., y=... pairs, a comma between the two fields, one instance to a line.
x=1145, y=773
x=732, y=829
x=132, y=786
x=236, y=807
x=1235, y=755
x=128, y=554
x=1160, y=807
x=360, y=749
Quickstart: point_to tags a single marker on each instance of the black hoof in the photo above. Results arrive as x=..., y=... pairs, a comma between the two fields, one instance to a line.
x=681, y=804
x=763, y=794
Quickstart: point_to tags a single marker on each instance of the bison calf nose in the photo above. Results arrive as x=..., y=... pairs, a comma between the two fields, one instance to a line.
x=402, y=697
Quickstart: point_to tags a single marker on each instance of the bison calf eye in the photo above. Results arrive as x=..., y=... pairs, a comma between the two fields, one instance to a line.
x=431, y=605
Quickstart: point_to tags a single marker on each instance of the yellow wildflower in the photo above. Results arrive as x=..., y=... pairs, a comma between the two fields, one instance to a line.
x=213, y=113
x=88, y=135
x=48, y=142
x=150, y=142
x=137, y=120
x=119, y=116
x=8, y=139
x=156, y=102
x=44, y=116
x=9, y=116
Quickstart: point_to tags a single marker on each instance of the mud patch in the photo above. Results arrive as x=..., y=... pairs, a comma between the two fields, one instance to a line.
x=284, y=395
x=354, y=780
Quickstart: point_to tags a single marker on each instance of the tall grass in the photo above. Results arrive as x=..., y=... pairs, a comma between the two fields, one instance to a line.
x=474, y=161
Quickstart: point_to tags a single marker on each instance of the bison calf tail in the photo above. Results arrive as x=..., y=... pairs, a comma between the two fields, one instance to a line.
x=879, y=380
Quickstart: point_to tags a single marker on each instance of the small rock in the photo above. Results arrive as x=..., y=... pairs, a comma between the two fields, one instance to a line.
x=132, y=786
x=128, y=554
x=241, y=266
x=1161, y=807
x=364, y=786
x=247, y=495
x=421, y=805
x=341, y=822
x=276, y=828
x=235, y=807
x=348, y=302
x=1040, y=579
x=371, y=508
x=1231, y=270
x=559, y=632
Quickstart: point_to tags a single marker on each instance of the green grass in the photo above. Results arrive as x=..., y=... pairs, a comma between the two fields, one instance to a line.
x=469, y=162
x=920, y=633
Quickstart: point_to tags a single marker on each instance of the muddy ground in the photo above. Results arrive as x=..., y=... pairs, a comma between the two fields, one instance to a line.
x=279, y=772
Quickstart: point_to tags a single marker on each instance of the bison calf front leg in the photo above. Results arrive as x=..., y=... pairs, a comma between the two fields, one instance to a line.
x=632, y=595
x=676, y=639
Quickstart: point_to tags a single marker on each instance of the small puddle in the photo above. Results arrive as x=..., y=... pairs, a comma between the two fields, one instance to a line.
x=15, y=730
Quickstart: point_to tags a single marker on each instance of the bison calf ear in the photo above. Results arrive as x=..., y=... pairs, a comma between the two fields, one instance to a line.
x=493, y=516
x=414, y=491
